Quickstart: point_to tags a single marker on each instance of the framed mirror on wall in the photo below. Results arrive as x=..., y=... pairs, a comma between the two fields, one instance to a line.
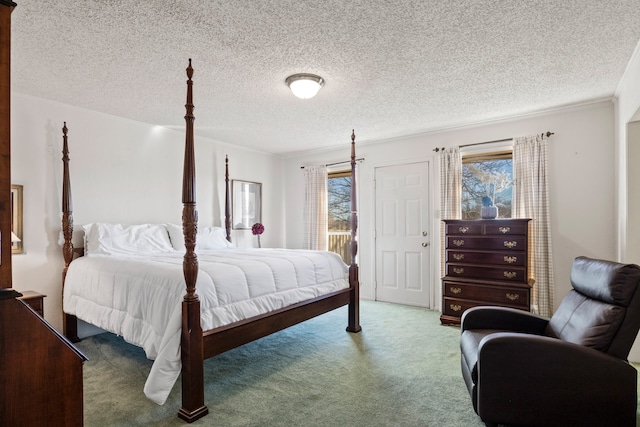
x=16, y=219
x=247, y=204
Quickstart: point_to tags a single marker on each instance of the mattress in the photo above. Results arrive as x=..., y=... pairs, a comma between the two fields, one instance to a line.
x=140, y=297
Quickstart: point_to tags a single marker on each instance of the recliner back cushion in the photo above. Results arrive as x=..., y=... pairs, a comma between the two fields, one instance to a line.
x=605, y=281
x=585, y=321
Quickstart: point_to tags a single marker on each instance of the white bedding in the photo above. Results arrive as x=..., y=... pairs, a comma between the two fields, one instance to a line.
x=140, y=297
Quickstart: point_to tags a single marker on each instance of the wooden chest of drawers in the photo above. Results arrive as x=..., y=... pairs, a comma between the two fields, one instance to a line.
x=486, y=263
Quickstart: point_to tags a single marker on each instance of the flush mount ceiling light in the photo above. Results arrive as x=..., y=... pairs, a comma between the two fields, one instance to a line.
x=304, y=86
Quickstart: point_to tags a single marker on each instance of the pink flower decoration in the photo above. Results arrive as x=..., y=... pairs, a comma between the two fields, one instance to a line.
x=257, y=229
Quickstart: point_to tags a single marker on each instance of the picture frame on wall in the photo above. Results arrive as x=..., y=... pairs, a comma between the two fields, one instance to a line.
x=16, y=219
x=247, y=204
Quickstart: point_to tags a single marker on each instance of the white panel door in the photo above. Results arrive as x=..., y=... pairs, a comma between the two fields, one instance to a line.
x=402, y=234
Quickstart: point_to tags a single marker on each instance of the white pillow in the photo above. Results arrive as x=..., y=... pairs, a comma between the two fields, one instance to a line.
x=118, y=239
x=212, y=238
x=207, y=238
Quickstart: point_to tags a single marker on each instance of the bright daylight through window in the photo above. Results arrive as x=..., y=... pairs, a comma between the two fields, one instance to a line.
x=339, y=208
x=487, y=178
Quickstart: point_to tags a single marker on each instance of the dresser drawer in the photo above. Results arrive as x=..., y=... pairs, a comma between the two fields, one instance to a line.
x=488, y=243
x=464, y=229
x=515, y=258
x=507, y=229
x=455, y=307
x=518, y=297
x=511, y=274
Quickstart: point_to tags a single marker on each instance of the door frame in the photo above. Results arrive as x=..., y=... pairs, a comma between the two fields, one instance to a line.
x=434, y=228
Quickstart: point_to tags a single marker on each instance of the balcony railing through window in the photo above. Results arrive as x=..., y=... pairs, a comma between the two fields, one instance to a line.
x=340, y=243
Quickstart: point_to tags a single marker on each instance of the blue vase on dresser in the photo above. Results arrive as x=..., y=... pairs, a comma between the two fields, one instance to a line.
x=488, y=209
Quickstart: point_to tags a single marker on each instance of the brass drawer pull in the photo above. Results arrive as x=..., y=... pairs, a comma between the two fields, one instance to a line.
x=511, y=296
x=510, y=274
x=455, y=290
x=511, y=244
x=458, y=242
x=510, y=259
x=456, y=307
x=458, y=257
x=504, y=230
x=458, y=270
x=463, y=229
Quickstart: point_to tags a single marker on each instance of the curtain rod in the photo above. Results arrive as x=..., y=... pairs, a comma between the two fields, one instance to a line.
x=548, y=134
x=339, y=163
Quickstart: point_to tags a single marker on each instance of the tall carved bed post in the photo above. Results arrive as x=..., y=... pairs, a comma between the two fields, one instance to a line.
x=70, y=323
x=192, y=343
x=227, y=199
x=354, y=303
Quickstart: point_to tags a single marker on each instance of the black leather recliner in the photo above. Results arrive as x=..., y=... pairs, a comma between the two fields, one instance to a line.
x=570, y=370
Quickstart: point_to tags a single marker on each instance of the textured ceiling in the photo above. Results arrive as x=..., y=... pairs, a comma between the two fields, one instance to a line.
x=392, y=67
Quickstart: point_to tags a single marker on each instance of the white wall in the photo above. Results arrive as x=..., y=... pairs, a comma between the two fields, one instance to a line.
x=121, y=171
x=632, y=250
x=627, y=110
x=582, y=162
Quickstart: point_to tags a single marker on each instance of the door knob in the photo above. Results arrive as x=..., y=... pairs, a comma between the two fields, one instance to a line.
x=425, y=244
x=424, y=233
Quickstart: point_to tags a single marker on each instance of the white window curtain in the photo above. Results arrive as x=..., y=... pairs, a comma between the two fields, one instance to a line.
x=315, y=208
x=531, y=200
x=450, y=191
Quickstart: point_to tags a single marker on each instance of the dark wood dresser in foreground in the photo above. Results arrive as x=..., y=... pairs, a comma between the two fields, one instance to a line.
x=41, y=371
x=486, y=263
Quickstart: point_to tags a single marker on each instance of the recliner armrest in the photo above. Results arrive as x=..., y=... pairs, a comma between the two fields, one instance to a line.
x=503, y=318
x=547, y=381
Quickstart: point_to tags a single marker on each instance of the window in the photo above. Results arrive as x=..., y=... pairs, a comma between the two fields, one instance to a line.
x=487, y=174
x=339, y=207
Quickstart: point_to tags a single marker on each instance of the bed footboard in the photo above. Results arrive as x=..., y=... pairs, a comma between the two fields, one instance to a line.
x=225, y=338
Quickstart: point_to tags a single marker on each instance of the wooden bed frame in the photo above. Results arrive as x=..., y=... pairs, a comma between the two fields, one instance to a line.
x=197, y=345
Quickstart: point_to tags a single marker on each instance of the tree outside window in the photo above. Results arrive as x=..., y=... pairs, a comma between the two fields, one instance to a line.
x=339, y=208
x=496, y=170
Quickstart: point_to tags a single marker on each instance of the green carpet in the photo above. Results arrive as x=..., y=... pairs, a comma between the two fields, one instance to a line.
x=403, y=369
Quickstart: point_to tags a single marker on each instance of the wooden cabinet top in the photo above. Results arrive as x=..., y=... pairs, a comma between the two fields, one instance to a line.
x=479, y=227
x=486, y=221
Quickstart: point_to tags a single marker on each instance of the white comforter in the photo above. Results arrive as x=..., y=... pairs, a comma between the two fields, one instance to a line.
x=139, y=297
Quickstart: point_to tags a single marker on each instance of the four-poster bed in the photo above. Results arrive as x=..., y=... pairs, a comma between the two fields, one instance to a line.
x=333, y=284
